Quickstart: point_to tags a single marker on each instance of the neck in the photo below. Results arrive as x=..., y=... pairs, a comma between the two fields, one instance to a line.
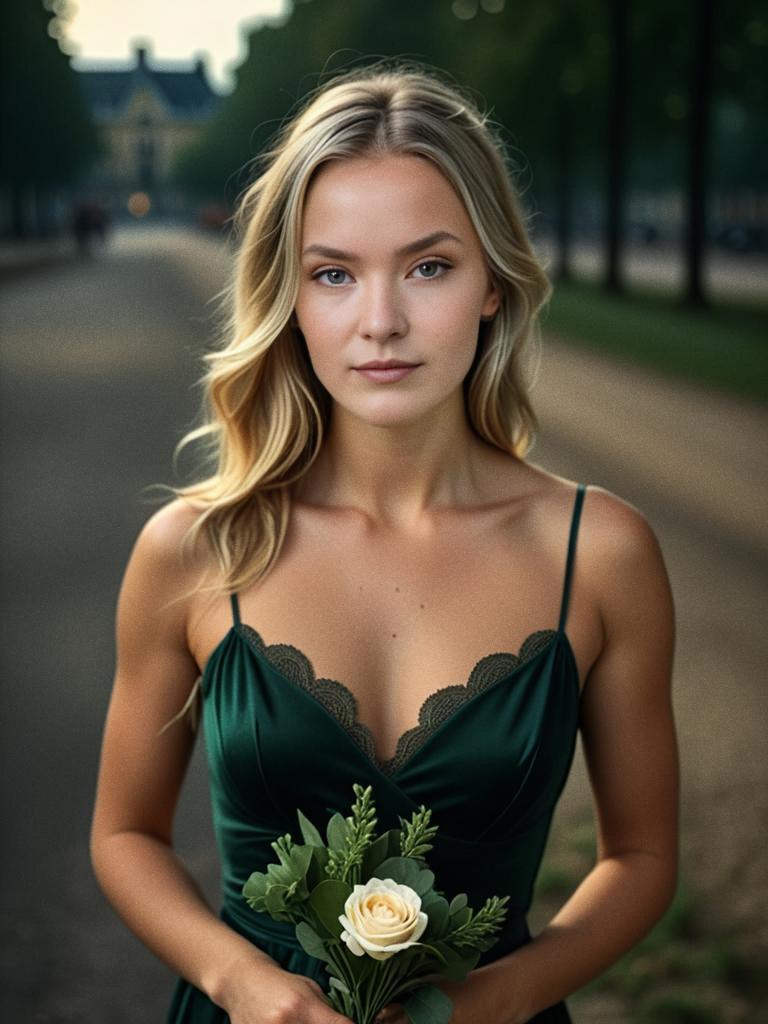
x=396, y=474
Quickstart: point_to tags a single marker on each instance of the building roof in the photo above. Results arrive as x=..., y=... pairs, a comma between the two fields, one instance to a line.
x=186, y=94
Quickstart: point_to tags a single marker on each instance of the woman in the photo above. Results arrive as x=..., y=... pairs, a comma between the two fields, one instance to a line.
x=370, y=508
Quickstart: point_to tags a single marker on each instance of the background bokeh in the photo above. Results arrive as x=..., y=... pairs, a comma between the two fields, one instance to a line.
x=637, y=136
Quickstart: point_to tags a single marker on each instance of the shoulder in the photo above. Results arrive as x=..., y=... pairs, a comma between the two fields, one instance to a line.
x=170, y=557
x=622, y=559
x=167, y=540
x=613, y=527
x=618, y=560
x=615, y=533
x=610, y=528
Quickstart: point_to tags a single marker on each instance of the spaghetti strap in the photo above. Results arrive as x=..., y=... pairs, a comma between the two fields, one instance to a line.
x=571, y=552
x=235, y=608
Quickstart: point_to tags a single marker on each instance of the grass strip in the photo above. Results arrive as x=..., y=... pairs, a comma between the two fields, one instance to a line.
x=725, y=345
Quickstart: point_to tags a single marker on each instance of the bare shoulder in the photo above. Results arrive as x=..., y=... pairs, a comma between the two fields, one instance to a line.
x=162, y=537
x=166, y=564
x=611, y=529
x=622, y=557
x=620, y=568
x=617, y=535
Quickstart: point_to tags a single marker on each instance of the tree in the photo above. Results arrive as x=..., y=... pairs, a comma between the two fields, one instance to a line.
x=46, y=135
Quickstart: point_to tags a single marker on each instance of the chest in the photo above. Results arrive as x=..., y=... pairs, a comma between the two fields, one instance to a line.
x=393, y=621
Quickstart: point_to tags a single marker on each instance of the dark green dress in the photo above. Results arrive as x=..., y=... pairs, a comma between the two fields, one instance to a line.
x=490, y=758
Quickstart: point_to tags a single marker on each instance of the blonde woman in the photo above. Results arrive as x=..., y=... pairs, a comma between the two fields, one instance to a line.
x=373, y=584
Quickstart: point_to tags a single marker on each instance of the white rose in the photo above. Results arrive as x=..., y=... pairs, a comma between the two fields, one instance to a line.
x=382, y=918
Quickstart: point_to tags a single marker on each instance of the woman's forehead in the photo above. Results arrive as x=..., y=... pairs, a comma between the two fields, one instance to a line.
x=404, y=197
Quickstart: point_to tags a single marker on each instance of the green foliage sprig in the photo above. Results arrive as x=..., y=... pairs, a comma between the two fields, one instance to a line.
x=415, y=835
x=479, y=927
x=344, y=864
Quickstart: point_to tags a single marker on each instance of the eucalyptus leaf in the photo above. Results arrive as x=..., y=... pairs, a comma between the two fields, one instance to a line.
x=337, y=833
x=393, y=837
x=327, y=900
x=310, y=941
x=308, y=831
x=438, y=912
x=377, y=852
x=458, y=903
x=404, y=870
x=462, y=917
x=458, y=964
x=428, y=1004
x=433, y=950
x=274, y=899
x=255, y=887
x=300, y=859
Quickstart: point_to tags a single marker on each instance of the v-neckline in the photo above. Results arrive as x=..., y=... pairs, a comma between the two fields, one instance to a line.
x=414, y=739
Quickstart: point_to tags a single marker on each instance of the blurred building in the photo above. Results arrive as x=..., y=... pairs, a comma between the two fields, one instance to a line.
x=145, y=116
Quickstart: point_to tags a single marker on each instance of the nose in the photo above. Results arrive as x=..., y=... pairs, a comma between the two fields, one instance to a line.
x=382, y=311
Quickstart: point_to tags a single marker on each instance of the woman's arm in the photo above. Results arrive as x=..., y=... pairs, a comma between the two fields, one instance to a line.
x=140, y=776
x=630, y=747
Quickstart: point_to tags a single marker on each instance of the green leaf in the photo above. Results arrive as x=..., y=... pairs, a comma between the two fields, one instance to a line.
x=458, y=965
x=335, y=983
x=299, y=861
x=310, y=941
x=406, y=871
x=337, y=833
x=255, y=887
x=316, y=871
x=327, y=900
x=377, y=852
x=438, y=912
x=393, y=837
x=428, y=947
x=428, y=1004
x=274, y=899
x=462, y=917
x=308, y=831
x=458, y=903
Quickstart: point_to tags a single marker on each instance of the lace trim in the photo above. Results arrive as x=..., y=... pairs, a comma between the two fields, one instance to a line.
x=339, y=700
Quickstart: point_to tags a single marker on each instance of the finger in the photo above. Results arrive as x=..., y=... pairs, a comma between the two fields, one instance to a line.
x=390, y=1014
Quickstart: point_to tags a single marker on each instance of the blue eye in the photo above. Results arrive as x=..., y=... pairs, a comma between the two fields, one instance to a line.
x=433, y=263
x=424, y=263
x=330, y=270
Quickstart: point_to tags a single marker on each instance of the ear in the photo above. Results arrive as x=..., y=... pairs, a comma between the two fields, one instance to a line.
x=492, y=301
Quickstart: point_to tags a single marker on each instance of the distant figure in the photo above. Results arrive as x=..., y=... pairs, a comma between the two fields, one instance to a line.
x=89, y=217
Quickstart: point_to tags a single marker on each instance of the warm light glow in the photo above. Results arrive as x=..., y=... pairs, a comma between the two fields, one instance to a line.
x=139, y=204
x=97, y=32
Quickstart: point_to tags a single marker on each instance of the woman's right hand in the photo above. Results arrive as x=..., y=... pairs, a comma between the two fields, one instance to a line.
x=272, y=995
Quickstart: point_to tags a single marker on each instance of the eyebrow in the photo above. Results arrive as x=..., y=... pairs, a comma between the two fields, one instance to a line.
x=406, y=250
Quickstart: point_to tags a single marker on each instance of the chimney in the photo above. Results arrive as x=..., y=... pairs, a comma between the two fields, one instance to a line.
x=141, y=56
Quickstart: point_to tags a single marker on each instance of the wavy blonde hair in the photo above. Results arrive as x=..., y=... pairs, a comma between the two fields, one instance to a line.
x=265, y=412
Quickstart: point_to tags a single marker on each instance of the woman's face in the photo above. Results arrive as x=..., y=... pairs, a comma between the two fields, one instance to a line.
x=382, y=279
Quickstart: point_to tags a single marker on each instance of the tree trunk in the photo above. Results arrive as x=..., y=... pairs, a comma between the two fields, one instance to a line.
x=564, y=189
x=617, y=145
x=698, y=153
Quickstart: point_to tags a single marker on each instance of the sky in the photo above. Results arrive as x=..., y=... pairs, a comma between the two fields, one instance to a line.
x=101, y=32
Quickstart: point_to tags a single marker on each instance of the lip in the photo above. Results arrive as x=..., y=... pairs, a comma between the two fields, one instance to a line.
x=386, y=374
x=384, y=364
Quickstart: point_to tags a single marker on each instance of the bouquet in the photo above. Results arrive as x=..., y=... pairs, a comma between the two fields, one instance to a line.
x=367, y=906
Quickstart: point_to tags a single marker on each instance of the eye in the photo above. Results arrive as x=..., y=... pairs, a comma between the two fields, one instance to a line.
x=433, y=263
x=329, y=270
